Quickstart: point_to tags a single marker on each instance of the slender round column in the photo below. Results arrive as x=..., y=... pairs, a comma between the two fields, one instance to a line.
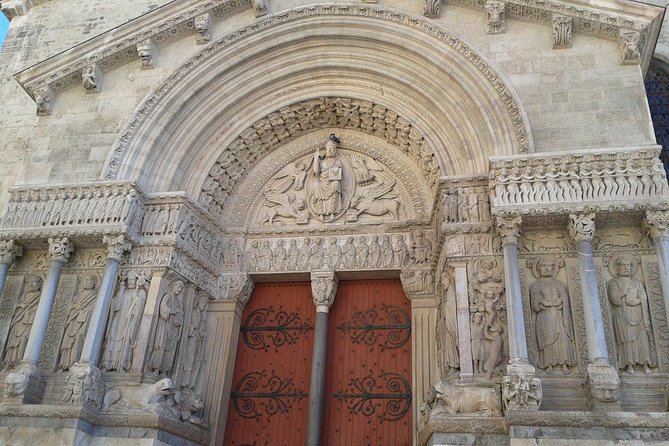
x=116, y=246
x=323, y=290
x=9, y=252
x=657, y=223
x=509, y=230
x=60, y=250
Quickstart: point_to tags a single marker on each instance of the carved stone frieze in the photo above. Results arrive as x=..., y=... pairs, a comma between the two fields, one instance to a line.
x=464, y=205
x=471, y=245
x=618, y=180
x=418, y=283
x=86, y=209
x=562, y=26
x=495, y=12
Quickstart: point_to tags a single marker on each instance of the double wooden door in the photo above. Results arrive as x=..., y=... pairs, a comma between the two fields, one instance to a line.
x=368, y=392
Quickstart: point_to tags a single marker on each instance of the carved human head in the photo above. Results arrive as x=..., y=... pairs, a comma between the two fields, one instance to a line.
x=300, y=204
x=307, y=241
x=279, y=242
x=34, y=283
x=177, y=287
x=318, y=241
x=330, y=149
x=349, y=240
x=131, y=279
x=546, y=266
x=90, y=282
x=375, y=238
x=624, y=266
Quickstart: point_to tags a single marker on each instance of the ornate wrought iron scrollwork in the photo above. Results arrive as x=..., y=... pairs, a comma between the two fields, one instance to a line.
x=282, y=328
x=367, y=326
x=253, y=395
x=366, y=395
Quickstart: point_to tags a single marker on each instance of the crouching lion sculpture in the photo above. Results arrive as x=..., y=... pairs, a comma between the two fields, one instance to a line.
x=447, y=399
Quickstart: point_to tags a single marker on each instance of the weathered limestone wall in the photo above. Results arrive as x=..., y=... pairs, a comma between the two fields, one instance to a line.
x=574, y=98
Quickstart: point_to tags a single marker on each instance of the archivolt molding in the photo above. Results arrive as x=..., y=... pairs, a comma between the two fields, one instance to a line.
x=414, y=182
x=491, y=94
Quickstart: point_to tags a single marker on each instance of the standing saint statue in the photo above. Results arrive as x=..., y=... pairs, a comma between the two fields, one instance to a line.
x=22, y=322
x=549, y=299
x=77, y=323
x=124, y=320
x=326, y=195
x=447, y=327
x=195, y=342
x=629, y=311
x=168, y=330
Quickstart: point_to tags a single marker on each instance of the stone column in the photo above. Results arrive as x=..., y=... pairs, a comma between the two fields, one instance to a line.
x=87, y=366
x=419, y=286
x=26, y=382
x=657, y=223
x=520, y=374
x=464, y=323
x=602, y=379
x=9, y=252
x=224, y=317
x=323, y=290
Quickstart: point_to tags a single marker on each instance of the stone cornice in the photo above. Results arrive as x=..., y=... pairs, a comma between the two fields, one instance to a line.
x=610, y=19
x=116, y=46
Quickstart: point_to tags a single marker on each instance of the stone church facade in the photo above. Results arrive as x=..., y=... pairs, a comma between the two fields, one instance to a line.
x=213, y=207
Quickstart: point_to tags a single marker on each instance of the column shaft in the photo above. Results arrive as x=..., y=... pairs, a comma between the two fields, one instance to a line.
x=4, y=270
x=594, y=324
x=38, y=329
x=464, y=324
x=514, y=305
x=98, y=322
x=317, y=388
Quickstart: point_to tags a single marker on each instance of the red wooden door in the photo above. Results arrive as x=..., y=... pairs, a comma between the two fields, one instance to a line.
x=369, y=366
x=270, y=388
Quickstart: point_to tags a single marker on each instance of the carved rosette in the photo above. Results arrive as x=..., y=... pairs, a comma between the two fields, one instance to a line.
x=509, y=229
x=60, y=249
x=418, y=283
x=9, y=251
x=657, y=224
x=582, y=227
x=117, y=245
x=236, y=286
x=323, y=290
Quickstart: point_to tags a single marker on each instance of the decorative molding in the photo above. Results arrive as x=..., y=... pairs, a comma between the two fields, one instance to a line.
x=562, y=26
x=604, y=180
x=495, y=12
x=504, y=93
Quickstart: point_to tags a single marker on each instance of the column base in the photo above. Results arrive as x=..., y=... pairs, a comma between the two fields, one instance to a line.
x=604, y=387
x=521, y=389
x=84, y=386
x=24, y=385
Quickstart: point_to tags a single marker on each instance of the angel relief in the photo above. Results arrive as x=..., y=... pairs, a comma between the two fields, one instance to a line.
x=330, y=186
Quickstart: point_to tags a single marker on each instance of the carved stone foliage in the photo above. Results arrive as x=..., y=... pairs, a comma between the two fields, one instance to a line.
x=124, y=320
x=330, y=185
x=39, y=210
x=495, y=16
x=432, y=8
x=630, y=314
x=22, y=321
x=465, y=206
x=487, y=308
x=619, y=180
x=552, y=320
x=288, y=123
x=562, y=31
x=354, y=252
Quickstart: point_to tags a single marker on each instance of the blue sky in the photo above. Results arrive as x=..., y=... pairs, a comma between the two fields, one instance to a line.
x=4, y=25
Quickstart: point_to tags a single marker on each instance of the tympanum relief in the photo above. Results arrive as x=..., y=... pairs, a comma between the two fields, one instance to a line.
x=329, y=186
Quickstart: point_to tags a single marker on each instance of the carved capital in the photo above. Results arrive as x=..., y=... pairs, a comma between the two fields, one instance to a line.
x=417, y=283
x=24, y=382
x=203, y=28
x=14, y=8
x=43, y=100
x=84, y=385
x=432, y=8
x=236, y=286
x=91, y=78
x=562, y=25
x=146, y=51
x=603, y=383
x=9, y=251
x=60, y=249
x=657, y=224
x=495, y=12
x=323, y=290
x=509, y=229
x=582, y=227
x=521, y=389
x=629, y=47
x=117, y=245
